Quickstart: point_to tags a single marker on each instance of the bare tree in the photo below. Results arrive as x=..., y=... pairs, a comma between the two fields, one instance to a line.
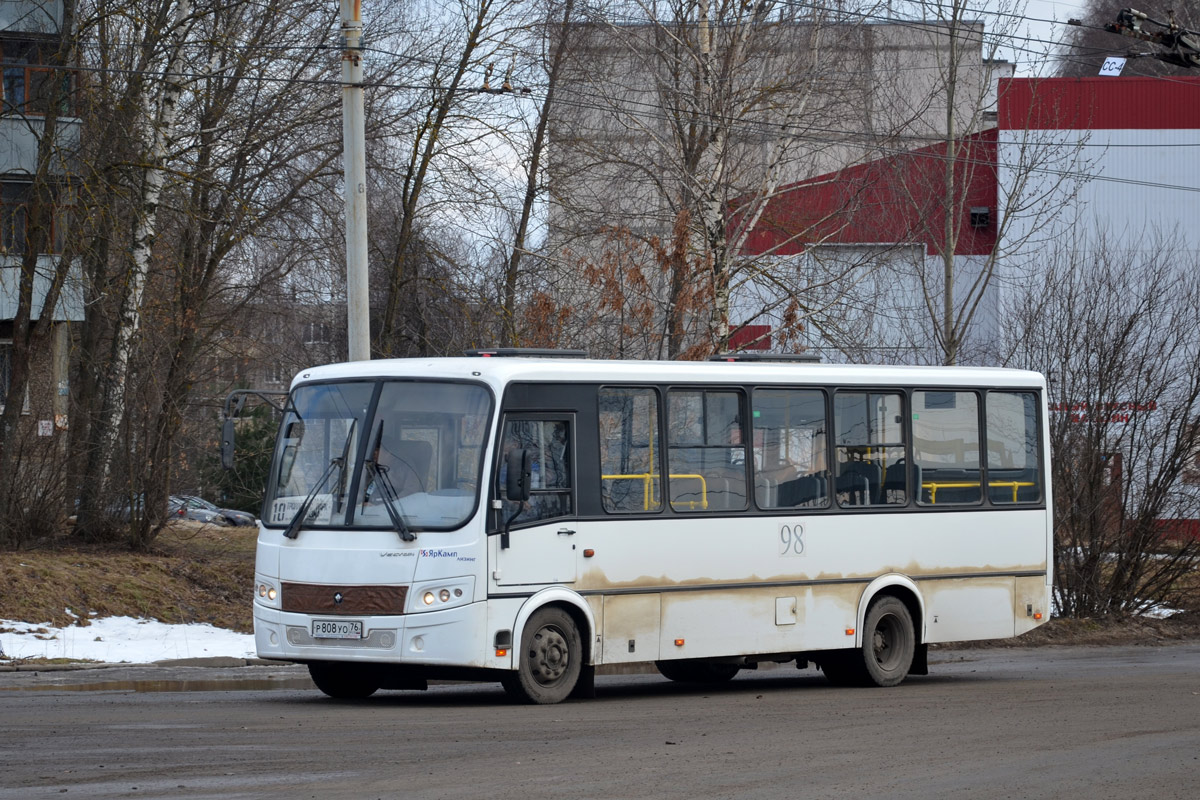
x=976, y=239
x=156, y=130
x=557, y=35
x=252, y=145
x=438, y=139
x=1116, y=341
x=719, y=109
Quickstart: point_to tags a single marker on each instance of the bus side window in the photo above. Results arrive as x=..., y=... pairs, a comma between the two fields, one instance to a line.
x=630, y=451
x=869, y=449
x=790, y=466
x=549, y=445
x=706, y=455
x=1012, y=443
x=946, y=447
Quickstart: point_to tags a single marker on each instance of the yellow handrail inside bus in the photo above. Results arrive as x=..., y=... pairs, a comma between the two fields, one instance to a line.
x=648, y=479
x=933, y=487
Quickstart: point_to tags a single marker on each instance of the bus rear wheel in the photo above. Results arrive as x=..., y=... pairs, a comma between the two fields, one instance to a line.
x=687, y=671
x=344, y=681
x=549, y=661
x=889, y=643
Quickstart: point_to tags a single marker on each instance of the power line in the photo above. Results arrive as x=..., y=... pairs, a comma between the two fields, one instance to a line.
x=655, y=110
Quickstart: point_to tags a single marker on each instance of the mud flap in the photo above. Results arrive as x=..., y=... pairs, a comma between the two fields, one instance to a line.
x=920, y=662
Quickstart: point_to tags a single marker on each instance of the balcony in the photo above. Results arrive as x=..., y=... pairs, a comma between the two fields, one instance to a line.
x=30, y=16
x=19, y=143
x=70, y=301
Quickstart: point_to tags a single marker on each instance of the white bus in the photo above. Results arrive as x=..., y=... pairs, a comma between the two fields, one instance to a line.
x=528, y=519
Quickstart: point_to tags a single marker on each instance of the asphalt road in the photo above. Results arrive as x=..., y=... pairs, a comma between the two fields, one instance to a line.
x=1116, y=722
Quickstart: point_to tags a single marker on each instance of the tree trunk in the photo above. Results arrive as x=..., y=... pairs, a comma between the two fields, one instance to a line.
x=160, y=115
x=513, y=272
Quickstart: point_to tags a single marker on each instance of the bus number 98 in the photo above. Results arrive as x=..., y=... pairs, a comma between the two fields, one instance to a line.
x=791, y=540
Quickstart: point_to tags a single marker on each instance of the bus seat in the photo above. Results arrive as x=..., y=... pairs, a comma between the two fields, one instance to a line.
x=768, y=482
x=894, y=489
x=804, y=491
x=726, y=488
x=856, y=488
x=408, y=463
x=868, y=471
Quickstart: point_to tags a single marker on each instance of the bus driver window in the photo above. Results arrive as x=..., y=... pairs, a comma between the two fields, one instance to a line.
x=548, y=443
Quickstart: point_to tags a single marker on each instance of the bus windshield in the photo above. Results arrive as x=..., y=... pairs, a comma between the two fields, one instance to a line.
x=420, y=452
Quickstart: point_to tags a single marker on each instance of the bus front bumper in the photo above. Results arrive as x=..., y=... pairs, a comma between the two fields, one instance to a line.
x=451, y=637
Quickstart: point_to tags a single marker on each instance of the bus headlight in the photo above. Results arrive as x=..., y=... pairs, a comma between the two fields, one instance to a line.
x=436, y=595
x=266, y=591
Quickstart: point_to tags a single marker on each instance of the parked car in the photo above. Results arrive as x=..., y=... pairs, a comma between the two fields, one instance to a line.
x=198, y=508
x=181, y=508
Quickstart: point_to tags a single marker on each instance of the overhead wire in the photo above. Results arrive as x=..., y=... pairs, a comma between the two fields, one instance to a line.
x=659, y=112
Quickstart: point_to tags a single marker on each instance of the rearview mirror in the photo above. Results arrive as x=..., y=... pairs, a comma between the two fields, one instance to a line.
x=227, y=434
x=519, y=464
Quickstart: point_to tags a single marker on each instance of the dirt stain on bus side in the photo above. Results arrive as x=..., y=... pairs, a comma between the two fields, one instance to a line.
x=597, y=580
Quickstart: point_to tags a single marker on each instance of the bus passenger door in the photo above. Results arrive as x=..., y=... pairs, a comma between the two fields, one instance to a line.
x=542, y=542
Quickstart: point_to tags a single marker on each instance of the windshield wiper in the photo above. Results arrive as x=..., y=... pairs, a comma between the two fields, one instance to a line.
x=388, y=491
x=301, y=516
x=379, y=476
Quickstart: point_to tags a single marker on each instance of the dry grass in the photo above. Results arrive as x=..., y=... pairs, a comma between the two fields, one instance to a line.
x=194, y=573
x=1115, y=630
x=203, y=573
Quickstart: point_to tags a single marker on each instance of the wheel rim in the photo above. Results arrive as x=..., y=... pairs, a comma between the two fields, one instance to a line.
x=886, y=642
x=549, y=655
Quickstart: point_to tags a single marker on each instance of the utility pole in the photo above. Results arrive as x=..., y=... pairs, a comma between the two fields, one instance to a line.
x=354, y=144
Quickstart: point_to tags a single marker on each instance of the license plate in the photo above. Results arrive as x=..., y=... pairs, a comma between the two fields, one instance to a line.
x=337, y=629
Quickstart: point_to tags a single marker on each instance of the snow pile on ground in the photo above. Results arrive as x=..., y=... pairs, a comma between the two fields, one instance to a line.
x=116, y=639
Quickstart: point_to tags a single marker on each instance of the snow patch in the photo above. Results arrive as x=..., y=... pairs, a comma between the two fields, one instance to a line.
x=121, y=639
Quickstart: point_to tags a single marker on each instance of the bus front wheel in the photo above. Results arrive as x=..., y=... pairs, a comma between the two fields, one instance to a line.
x=343, y=681
x=549, y=661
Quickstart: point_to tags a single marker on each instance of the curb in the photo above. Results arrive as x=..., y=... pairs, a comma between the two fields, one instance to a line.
x=212, y=661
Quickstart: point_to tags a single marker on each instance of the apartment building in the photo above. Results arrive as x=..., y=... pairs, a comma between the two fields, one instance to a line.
x=641, y=135
x=31, y=65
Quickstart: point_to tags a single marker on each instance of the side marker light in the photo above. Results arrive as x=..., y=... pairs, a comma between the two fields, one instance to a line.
x=588, y=553
x=849, y=631
x=679, y=642
x=501, y=652
x=1037, y=615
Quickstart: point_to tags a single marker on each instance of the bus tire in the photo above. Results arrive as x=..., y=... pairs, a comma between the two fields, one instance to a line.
x=688, y=671
x=549, y=661
x=343, y=681
x=889, y=642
